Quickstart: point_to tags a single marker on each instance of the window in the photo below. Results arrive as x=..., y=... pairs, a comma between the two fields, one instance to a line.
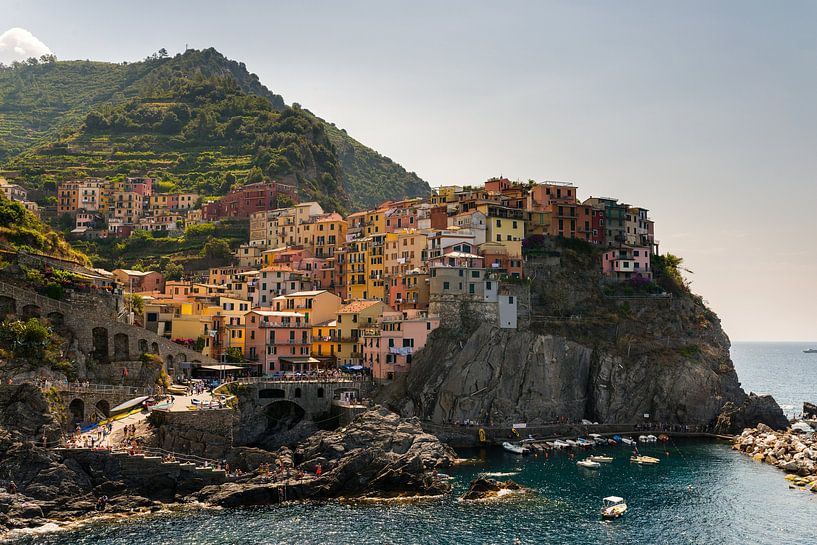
x=446, y=285
x=472, y=289
x=499, y=223
x=510, y=299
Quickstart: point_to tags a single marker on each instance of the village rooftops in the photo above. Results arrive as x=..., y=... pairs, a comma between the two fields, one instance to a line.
x=357, y=306
x=131, y=272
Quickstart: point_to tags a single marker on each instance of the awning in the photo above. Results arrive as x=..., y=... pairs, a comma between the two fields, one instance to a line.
x=221, y=367
x=299, y=359
x=129, y=404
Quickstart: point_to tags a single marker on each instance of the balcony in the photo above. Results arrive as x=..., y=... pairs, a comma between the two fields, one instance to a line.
x=297, y=325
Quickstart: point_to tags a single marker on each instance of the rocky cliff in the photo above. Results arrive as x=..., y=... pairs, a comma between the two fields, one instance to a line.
x=584, y=350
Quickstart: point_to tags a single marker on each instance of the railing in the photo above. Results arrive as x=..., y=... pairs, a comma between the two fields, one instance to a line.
x=294, y=379
x=74, y=387
x=282, y=324
x=41, y=300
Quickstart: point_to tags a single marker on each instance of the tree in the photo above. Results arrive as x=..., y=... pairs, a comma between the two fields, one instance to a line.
x=163, y=53
x=217, y=249
x=173, y=271
x=136, y=303
x=233, y=354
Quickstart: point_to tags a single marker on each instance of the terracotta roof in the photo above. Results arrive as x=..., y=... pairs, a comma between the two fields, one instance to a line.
x=357, y=306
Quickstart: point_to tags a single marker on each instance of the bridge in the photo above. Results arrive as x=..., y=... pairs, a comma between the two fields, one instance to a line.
x=268, y=407
x=99, y=337
x=86, y=402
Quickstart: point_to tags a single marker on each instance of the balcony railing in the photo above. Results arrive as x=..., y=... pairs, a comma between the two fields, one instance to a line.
x=297, y=325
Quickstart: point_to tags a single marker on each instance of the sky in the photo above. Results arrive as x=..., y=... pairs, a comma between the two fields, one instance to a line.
x=703, y=112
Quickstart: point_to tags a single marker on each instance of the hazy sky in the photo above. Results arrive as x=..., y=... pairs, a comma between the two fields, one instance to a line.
x=703, y=112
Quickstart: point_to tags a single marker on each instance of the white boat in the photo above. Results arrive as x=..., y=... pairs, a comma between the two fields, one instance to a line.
x=130, y=404
x=598, y=439
x=514, y=447
x=602, y=458
x=612, y=442
x=588, y=464
x=560, y=444
x=584, y=442
x=642, y=438
x=627, y=441
x=652, y=439
x=571, y=443
x=613, y=507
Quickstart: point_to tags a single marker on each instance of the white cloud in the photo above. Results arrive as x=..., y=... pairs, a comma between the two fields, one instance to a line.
x=18, y=44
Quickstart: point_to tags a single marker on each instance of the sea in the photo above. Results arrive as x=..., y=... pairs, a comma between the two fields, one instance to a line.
x=702, y=492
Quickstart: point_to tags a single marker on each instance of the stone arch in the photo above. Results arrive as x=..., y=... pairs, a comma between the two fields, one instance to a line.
x=143, y=346
x=56, y=319
x=320, y=392
x=103, y=407
x=282, y=416
x=169, y=362
x=271, y=393
x=30, y=311
x=77, y=410
x=100, y=341
x=121, y=347
x=154, y=348
x=7, y=306
x=298, y=392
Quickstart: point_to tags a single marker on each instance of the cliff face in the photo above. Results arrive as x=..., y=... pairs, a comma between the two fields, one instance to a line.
x=580, y=354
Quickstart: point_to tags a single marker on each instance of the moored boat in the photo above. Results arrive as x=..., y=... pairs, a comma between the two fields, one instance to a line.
x=560, y=444
x=585, y=442
x=602, y=458
x=514, y=448
x=588, y=464
x=644, y=460
x=663, y=437
x=627, y=441
x=571, y=443
x=651, y=439
x=642, y=438
x=613, y=507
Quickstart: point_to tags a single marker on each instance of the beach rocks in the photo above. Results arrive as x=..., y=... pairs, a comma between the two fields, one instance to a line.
x=792, y=452
x=483, y=489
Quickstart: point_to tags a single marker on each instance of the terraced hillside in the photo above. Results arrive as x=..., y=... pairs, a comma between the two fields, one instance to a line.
x=197, y=120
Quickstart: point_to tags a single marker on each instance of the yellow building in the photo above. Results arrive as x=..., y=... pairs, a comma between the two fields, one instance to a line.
x=444, y=194
x=356, y=261
x=375, y=222
x=324, y=340
x=375, y=282
x=505, y=226
x=317, y=306
x=328, y=234
x=352, y=319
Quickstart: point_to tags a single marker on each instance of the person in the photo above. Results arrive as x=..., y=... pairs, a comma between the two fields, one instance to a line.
x=318, y=470
x=12, y=487
x=101, y=503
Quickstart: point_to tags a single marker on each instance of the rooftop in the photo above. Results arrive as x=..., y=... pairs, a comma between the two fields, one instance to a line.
x=357, y=306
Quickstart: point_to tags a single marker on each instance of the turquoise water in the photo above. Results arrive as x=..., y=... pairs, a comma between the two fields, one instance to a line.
x=732, y=500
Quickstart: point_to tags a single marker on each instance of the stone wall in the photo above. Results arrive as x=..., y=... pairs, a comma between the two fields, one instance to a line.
x=90, y=335
x=201, y=433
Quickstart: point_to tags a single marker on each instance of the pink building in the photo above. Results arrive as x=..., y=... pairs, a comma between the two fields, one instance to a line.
x=278, y=341
x=626, y=262
x=389, y=347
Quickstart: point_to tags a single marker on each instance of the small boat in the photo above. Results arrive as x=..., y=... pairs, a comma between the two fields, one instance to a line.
x=612, y=442
x=663, y=437
x=588, y=464
x=571, y=443
x=810, y=351
x=560, y=444
x=598, y=439
x=644, y=460
x=613, y=507
x=584, y=442
x=642, y=438
x=627, y=441
x=514, y=448
x=651, y=439
x=602, y=458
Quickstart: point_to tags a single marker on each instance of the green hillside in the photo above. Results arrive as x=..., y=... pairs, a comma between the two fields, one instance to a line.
x=197, y=121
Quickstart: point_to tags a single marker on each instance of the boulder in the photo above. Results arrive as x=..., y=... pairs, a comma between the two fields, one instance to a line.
x=482, y=489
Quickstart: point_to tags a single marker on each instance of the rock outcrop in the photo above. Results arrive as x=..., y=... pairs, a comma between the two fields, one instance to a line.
x=578, y=354
x=378, y=455
x=485, y=489
x=755, y=408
